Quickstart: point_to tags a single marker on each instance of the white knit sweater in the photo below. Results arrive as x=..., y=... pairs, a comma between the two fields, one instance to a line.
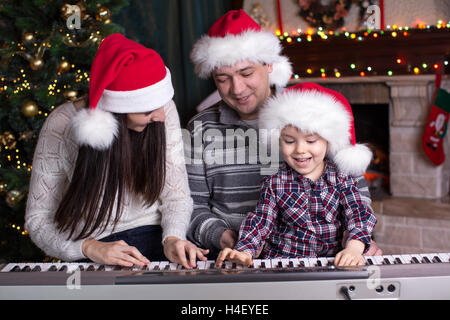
x=53, y=166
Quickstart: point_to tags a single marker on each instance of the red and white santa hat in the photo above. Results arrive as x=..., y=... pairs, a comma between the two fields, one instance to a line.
x=126, y=77
x=323, y=111
x=236, y=37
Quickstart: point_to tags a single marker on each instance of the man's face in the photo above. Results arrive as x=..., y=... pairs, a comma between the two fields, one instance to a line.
x=244, y=87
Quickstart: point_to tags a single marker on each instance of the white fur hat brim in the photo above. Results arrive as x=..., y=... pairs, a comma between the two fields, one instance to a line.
x=317, y=112
x=209, y=53
x=95, y=128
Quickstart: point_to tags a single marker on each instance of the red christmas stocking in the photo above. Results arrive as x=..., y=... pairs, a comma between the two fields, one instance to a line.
x=436, y=127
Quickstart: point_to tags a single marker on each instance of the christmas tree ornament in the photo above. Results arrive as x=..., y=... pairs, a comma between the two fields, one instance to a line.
x=36, y=63
x=14, y=197
x=103, y=14
x=28, y=37
x=63, y=66
x=3, y=188
x=29, y=109
x=26, y=135
x=436, y=127
x=8, y=140
x=71, y=95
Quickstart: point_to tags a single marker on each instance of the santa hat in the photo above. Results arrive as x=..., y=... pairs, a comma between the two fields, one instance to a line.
x=236, y=37
x=126, y=77
x=323, y=111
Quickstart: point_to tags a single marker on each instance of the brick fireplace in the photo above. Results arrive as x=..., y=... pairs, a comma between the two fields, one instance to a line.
x=415, y=215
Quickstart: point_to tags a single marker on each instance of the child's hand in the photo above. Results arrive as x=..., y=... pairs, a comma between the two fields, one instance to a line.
x=240, y=257
x=351, y=255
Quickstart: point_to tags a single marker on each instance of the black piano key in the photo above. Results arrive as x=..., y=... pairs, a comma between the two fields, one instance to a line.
x=80, y=268
x=319, y=263
x=436, y=259
x=263, y=264
x=426, y=260
x=117, y=268
x=15, y=269
x=52, y=268
x=330, y=263
x=26, y=269
x=386, y=261
x=211, y=265
x=415, y=260
x=223, y=265
x=63, y=269
x=167, y=267
x=302, y=264
x=156, y=268
x=90, y=268
x=291, y=264
x=279, y=264
x=369, y=261
x=397, y=261
x=233, y=265
x=101, y=268
x=36, y=269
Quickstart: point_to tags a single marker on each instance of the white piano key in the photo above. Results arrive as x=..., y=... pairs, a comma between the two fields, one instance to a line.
x=388, y=258
x=430, y=257
x=305, y=262
x=323, y=261
x=163, y=265
x=445, y=257
x=403, y=258
x=378, y=260
x=153, y=265
x=417, y=256
x=285, y=263
x=203, y=265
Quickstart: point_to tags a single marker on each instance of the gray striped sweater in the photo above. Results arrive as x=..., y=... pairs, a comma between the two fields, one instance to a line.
x=226, y=159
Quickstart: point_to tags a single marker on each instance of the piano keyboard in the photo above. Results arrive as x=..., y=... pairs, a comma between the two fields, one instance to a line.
x=408, y=276
x=268, y=264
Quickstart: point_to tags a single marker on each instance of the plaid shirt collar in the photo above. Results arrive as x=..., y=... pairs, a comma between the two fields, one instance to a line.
x=329, y=175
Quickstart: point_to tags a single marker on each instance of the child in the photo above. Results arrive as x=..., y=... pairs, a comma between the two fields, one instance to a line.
x=305, y=207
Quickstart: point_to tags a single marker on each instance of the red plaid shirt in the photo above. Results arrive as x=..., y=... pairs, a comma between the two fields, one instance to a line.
x=297, y=217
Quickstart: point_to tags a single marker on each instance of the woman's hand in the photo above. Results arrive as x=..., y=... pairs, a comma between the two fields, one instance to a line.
x=113, y=253
x=351, y=255
x=241, y=257
x=176, y=251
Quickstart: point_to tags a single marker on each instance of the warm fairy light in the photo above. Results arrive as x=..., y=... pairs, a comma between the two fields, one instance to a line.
x=323, y=75
x=375, y=35
x=416, y=70
x=337, y=74
x=277, y=33
x=436, y=66
x=399, y=60
x=309, y=71
x=394, y=34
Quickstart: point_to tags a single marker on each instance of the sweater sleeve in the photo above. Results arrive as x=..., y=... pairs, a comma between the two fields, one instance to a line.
x=205, y=228
x=54, y=157
x=175, y=202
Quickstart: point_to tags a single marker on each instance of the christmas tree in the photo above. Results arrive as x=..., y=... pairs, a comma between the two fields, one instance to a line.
x=46, y=51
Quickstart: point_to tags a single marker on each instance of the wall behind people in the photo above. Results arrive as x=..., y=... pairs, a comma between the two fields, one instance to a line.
x=171, y=27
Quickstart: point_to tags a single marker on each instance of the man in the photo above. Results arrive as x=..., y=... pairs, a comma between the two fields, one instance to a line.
x=247, y=68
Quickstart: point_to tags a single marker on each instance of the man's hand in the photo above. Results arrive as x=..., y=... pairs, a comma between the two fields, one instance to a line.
x=351, y=255
x=228, y=239
x=177, y=250
x=113, y=253
x=241, y=257
x=372, y=251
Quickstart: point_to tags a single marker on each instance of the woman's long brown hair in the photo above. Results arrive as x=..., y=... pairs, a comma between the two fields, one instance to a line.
x=135, y=163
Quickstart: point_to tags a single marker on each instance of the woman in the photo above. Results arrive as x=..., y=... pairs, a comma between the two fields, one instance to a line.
x=109, y=182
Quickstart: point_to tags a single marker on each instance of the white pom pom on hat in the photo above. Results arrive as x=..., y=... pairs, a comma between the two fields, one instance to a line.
x=126, y=77
x=236, y=37
x=313, y=108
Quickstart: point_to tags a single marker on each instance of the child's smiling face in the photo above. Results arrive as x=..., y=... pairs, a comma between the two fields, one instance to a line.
x=303, y=152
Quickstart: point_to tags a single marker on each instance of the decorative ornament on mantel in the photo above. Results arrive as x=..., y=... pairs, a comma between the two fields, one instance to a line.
x=330, y=14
